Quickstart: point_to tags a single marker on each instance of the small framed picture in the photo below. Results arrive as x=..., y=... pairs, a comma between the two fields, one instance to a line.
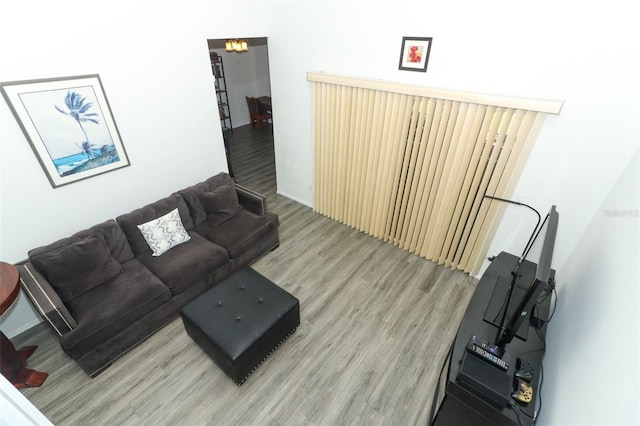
x=69, y=125
x=414, y=53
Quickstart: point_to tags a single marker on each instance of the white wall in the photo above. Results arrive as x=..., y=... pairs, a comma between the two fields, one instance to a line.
x=16, y=409
x=263, y=79
x=592, y=367
x=154, y=65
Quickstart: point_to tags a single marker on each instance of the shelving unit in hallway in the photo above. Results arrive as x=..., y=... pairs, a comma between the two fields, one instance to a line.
x=217, y=66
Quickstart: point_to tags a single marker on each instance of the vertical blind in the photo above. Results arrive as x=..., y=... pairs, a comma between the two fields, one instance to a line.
x=411, y=165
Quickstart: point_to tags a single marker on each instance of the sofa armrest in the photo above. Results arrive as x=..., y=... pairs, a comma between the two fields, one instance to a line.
x=252, y=201
x=45, y=299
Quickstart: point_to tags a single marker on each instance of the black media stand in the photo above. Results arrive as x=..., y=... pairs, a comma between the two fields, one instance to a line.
x=475, y=395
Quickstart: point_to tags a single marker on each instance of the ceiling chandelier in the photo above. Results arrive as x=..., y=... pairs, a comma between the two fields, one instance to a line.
x=235, y=45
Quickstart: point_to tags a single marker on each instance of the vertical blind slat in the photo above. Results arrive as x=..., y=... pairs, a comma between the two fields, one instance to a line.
x=476, y=166
x=413, y=170
x=418, y=192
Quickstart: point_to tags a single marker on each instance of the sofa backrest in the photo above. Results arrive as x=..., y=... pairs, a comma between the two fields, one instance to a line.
x=85, y=260
x=129, y=222
x=109, y=230
x=192, y=194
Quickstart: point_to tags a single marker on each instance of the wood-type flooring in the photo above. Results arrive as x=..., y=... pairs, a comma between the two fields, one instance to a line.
x=376, y=325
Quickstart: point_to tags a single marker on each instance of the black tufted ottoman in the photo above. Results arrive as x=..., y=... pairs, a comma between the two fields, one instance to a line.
x=240, y=321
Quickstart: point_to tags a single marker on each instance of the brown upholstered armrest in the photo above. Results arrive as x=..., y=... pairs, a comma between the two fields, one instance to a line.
x=45, y=299
x=252, y=201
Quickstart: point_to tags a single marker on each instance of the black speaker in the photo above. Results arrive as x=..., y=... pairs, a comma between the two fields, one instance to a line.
x=485, y=380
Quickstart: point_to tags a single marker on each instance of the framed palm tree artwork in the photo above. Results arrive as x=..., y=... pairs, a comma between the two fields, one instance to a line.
x=69, y=125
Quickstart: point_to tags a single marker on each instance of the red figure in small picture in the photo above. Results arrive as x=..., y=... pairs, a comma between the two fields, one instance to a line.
x=415, y=54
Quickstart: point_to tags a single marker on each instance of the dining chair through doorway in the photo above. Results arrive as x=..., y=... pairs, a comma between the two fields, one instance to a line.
x=255, y=113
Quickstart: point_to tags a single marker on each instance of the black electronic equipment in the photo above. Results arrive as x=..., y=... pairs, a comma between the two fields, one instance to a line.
x=491, y=384
x=524, y=370
x=525, y=304
x=495, y=355
x=487, y=368
x=496, y=309
x=477, y=391
x=523, y=392
x=513, y=299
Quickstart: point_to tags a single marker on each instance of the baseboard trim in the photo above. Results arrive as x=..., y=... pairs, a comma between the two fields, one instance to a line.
x=28, y=330
x=296, y=199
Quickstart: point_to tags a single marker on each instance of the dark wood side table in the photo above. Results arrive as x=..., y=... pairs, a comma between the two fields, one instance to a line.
x=12, y=361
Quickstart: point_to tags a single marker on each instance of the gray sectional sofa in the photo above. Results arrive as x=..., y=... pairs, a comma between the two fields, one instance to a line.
x=107, y=288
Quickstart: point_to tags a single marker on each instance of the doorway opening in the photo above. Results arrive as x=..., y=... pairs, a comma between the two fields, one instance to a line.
x=249, y=145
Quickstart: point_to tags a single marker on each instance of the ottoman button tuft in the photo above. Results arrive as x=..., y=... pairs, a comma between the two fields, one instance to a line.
x=220, y=303
x=261, y=300
x=238, y=318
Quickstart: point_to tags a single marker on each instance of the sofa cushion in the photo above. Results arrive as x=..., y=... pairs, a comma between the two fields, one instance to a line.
x=115, y=239
x=192, y=194
x=240, y=232
x=220, y=204
x=164, y=232
x=78, y=267
x=110, y=231
x=113, y=306
x=130, y=221
x=187, y=263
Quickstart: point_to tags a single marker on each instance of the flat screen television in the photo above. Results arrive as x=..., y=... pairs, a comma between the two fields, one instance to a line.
x=513, y=300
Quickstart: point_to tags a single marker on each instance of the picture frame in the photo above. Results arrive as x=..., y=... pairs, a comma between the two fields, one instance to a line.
x=69, y=124
x=414, y=53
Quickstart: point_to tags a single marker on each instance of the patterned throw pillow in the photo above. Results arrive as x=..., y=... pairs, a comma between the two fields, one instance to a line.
x=164, y=232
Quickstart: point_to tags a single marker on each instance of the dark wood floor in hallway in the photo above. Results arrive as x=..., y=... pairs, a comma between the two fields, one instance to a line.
x=376, y=324
x=252, y=155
